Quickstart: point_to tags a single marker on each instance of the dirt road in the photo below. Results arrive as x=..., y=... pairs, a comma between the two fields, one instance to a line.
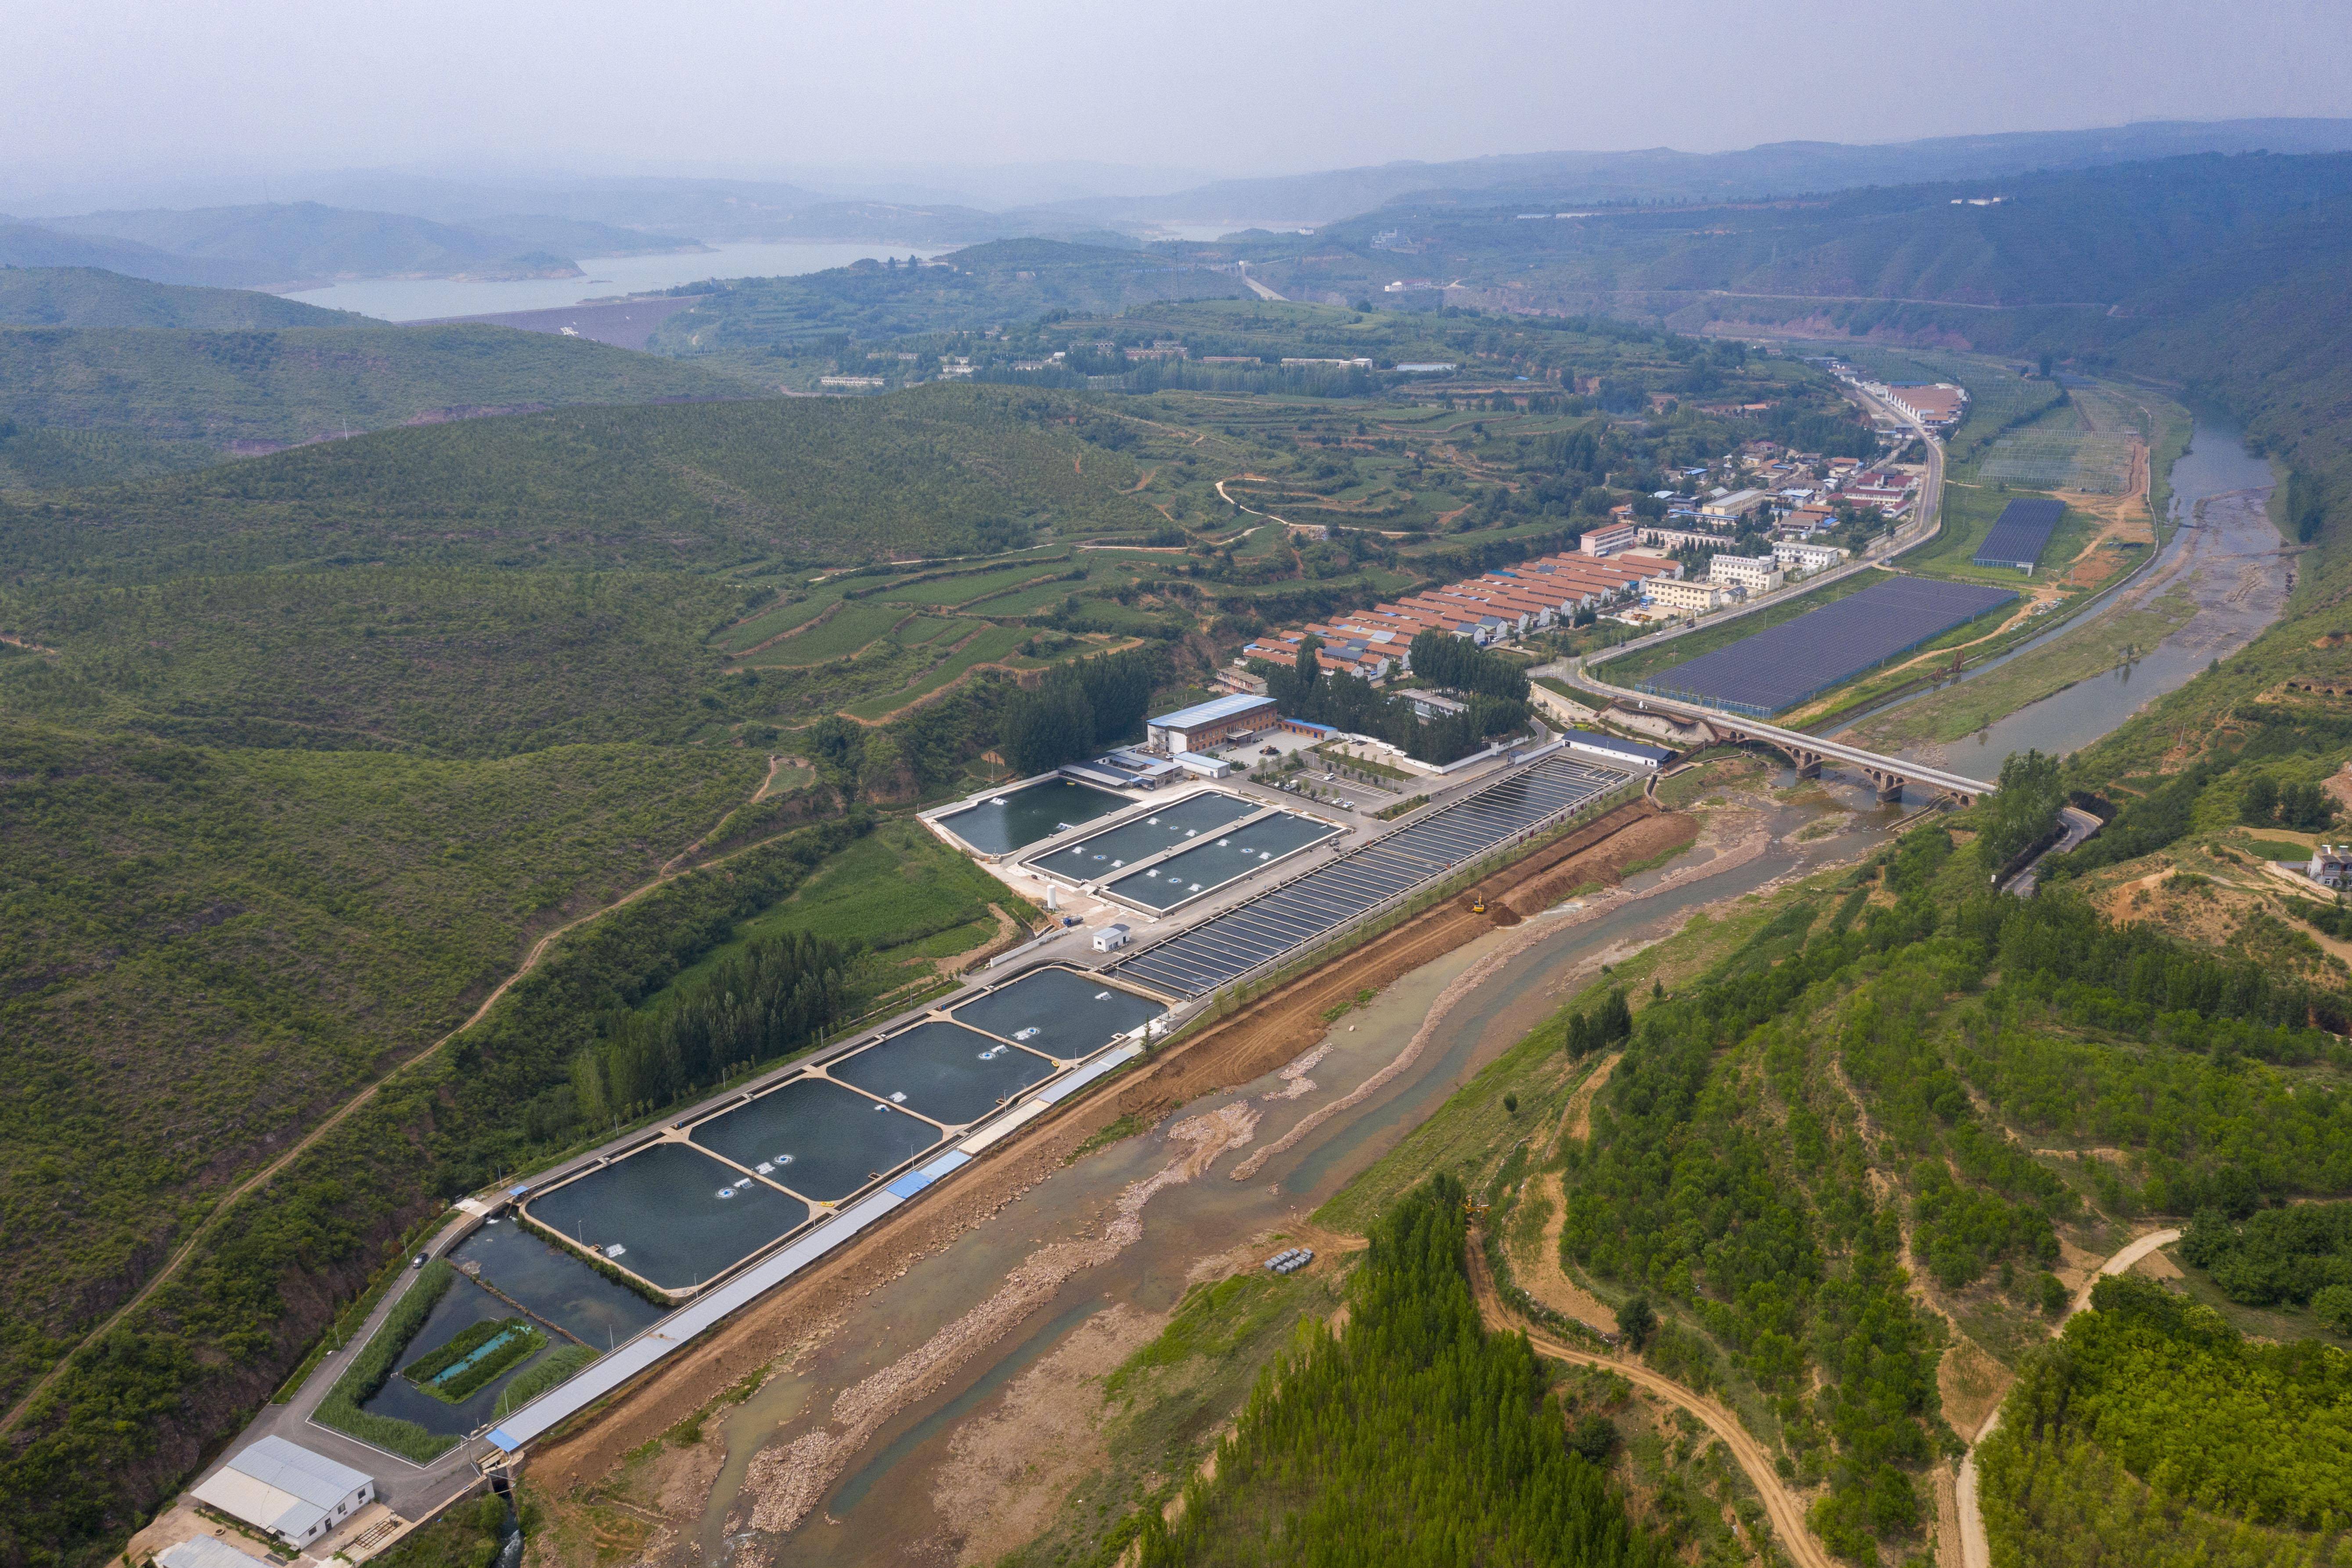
x=1786, y=1514
x=1976, y=1548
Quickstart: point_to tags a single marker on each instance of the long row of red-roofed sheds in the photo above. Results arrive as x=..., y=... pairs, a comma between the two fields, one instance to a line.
x=1497, y=606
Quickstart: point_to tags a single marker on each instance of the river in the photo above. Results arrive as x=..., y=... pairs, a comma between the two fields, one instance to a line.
x=880, y=1508
x=2224, y=553
x=430, y=299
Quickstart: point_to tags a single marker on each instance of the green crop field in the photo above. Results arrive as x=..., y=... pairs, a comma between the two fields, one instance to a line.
x=994, y=643
x=772, y=622
x=953, y=591
x=843, y=633
x=895, y=894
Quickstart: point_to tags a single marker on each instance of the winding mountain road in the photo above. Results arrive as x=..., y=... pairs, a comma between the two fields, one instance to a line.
x=1780, y=1505
x=1976, y=1547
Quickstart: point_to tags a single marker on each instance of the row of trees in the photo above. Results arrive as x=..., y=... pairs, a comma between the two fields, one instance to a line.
x=1079, y=709
x=1303, y=690
x=770, y=999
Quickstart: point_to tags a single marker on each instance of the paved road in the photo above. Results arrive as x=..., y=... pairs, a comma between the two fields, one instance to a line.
x=407, y=1488
x=2080, y=825
x=1976, y=1549
x=1260, y=290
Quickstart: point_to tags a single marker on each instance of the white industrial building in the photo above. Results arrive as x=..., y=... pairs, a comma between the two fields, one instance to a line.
x=1616, y=749
x=285, y=1488
x=1210, y=723
x=1672, y=594
x=1749, y=573
x=1797, y=555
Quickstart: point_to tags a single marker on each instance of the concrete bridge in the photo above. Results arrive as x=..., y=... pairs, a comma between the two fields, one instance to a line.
x=1888, y=775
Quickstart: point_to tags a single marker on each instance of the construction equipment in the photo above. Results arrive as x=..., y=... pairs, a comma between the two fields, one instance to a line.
x=1479, y=904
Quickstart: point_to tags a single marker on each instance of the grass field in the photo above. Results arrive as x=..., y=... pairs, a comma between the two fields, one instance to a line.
x=952, y=591
x=2084, y=653
x=898, y=893
x=1681, y=650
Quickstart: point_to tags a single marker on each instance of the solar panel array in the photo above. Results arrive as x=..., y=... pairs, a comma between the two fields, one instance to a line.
x=2020, y=533
x=1783, y=666
x=1295, y=913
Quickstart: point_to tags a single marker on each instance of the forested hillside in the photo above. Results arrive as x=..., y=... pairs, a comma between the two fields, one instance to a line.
x=93, y=297
x=948, y=471
x=1417, y=1436
x=2050, y=240
x=218, y=392
x=1002, y=282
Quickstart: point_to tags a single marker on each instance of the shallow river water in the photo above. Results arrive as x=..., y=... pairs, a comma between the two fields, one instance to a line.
x=2225, y=554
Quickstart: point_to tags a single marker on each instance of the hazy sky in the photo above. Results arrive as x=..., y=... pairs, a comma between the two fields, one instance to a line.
x=1265, y=86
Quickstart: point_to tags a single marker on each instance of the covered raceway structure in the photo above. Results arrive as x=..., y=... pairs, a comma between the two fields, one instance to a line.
x=1310, y=907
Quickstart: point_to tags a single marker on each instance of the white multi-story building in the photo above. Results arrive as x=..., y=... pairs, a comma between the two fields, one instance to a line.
x=1797, y=555
x=1673, y=594
x=1749, y=573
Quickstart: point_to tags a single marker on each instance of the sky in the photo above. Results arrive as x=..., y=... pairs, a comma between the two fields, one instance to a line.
x=125, y=89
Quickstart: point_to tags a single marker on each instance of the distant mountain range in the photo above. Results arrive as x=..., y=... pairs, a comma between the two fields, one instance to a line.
x=396, y=224
x=1661, y=173
x=306, y=242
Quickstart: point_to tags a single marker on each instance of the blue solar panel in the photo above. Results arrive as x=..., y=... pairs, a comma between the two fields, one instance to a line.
x=1782, y=666
x=2021, y=535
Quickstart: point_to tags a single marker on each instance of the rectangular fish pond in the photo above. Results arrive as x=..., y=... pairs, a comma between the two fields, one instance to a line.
x=817, y=1139
x=1060, y=1012
x=1003, y=823
x=670, y=1214
x=1212, y=863
x=953, y=1075
x=1095, y=858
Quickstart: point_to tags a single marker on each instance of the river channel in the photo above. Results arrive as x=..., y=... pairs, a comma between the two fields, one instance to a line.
x=879, y=1506
x=2224, y=553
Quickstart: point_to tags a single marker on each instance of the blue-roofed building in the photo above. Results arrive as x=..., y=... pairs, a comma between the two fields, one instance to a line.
x=1210, y=723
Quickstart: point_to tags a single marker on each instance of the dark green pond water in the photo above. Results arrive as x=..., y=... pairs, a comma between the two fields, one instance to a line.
x=949, y=1073
x=822, y=1140
x=1073, y=1014
x=1024, y=815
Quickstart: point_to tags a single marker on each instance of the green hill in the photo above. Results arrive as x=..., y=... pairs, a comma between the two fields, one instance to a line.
x=180, y=399
x=2050, y=240
x=283, y=242
x=93, y=297
x=942, y=469
x=1003, y=282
